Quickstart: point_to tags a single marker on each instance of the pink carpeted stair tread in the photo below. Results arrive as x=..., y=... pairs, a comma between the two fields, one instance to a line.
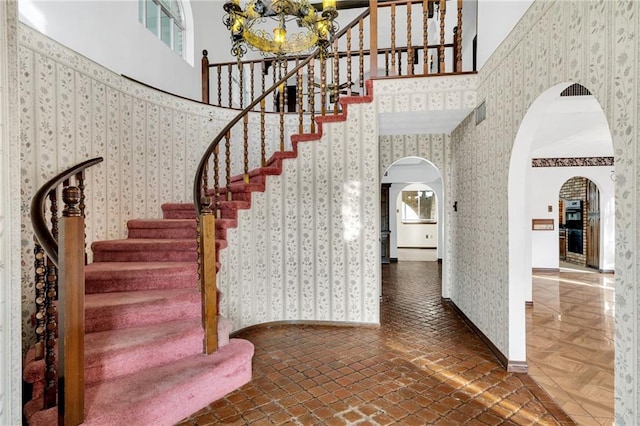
x=115, y=353
x=107, y=311
x=105, y=277
x=166, y=394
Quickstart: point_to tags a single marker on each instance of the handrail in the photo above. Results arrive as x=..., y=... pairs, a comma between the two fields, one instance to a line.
x=38, y=220
x=197, y=189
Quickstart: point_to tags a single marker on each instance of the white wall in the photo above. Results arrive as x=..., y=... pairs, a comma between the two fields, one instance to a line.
x=109, y=33
x=496, y=19
x=418, y=235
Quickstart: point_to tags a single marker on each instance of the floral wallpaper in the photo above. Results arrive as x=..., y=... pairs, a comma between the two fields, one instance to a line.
x=308, y=248
x=10, y=319
x=72, y=109
x=594, y=43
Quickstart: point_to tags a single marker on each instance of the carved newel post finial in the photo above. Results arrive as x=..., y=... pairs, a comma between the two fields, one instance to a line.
x=71, y=197
x=205, y=202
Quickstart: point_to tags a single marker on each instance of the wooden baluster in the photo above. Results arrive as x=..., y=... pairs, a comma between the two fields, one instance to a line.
x=409, y=48
x=216, y=180
x=51, y=374
x=227, y=159
x=281, y=90
x=349, y=62
x=263, y=73
x=245, y=137
x=285, y=93
x=386, y=63
x=219, y=68
x=336, y=77
x=71, y=314
x=311, y=88
x=263, y=139
x=361, y=58
x=82, y=206
x=252, y=66
x=241, y=83
x=323, y=85
x=394, y=71
x=441, y=67
x=40, y=269
x=425, y=37
x=276, y=102
x=300, y=97
x=373, y=38
x=458, y=40
x=205, y=179
x=230, y=85
x=399, y=72
x=207, y=275
x=205, y=77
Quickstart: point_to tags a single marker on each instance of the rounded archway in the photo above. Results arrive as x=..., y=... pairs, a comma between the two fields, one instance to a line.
x=416, y=170
x=564, y=134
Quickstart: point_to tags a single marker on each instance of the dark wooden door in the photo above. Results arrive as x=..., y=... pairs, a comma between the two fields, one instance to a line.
x=385, y=232
x=593, y=225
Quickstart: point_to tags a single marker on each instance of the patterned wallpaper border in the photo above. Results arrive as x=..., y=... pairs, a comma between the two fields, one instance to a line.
x=572, y=162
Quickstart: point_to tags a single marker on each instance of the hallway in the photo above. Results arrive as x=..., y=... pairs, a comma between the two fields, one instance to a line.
x=570, y=341
x=422, y=366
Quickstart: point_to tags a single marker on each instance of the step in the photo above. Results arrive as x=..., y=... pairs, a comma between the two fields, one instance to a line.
x=242, y=191
x=258, y=175
x=162, y=228
x=161, y=395
x=178, y=211
x=276, y=159
x=104, y=277
x=114, y=353
x=108, y=311
x=145, y=250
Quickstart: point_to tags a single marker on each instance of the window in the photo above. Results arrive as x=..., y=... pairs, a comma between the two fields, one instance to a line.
x=419, y=207
x=164, y=19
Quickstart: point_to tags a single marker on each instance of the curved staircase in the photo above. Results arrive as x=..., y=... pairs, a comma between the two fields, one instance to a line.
x=143, y=358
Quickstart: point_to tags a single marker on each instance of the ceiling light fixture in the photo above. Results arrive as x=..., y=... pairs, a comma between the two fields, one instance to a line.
x=280, y=27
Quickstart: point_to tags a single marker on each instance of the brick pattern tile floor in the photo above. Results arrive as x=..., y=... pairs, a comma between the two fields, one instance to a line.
x=422, y=366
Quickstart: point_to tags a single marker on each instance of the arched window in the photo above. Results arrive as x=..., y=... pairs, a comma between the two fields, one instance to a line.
x=164, y=18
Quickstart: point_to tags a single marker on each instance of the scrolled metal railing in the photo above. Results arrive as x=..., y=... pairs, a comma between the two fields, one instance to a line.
x=59, y=250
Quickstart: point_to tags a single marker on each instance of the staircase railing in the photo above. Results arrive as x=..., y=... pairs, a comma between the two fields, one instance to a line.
x=299, y=86
x=59, y=249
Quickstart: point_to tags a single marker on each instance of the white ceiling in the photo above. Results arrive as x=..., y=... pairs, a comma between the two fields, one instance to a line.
x=420, y=122
x=574, y=126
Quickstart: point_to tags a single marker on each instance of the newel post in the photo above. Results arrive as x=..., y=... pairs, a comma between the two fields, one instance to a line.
x=71, y=311
x=207, y=273
x=205, y=77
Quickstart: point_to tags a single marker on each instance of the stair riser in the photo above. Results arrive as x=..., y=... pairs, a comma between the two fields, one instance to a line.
x=142, y=283
x=179, y=214
x=145, y=256
x=136, y=315
x=110, y=367
x=163, y=233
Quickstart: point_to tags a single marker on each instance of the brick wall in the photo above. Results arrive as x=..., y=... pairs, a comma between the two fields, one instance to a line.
x=576, y=189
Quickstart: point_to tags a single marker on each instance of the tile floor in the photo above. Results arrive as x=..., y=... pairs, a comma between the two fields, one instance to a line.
x=570, y=349
x=422, y=366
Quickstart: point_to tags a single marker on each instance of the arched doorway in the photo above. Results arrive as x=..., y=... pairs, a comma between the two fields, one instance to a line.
x=398, y=177
x=564, y=134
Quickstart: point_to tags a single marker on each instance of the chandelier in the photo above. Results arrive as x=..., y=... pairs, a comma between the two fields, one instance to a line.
x=280, y=27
